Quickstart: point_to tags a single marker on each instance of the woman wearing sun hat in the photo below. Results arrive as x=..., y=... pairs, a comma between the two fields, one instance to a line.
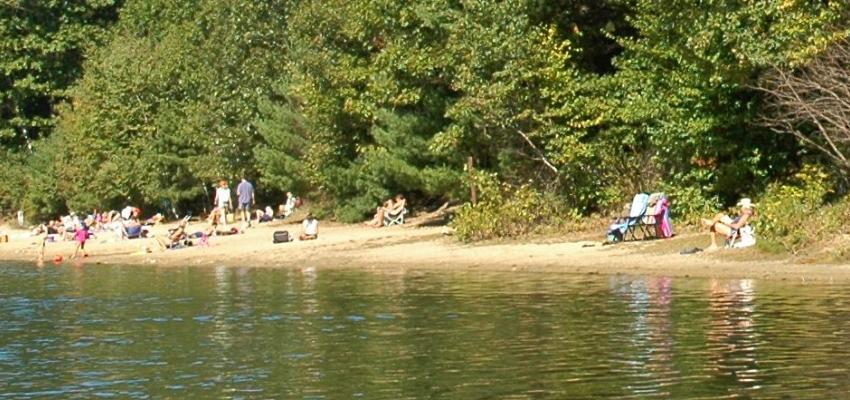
x=728, y=227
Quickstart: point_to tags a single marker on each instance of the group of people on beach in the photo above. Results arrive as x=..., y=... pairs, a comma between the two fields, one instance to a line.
x=128, y=223
x=649, y=215
x=124, y=224
x=246, y=201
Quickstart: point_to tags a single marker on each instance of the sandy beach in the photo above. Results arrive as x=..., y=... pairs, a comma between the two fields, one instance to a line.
x=356, y=246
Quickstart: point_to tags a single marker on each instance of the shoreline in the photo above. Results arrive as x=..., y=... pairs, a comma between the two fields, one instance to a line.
x=427, y=248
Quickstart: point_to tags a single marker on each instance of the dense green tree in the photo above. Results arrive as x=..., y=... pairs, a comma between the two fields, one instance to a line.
x=352, y=101
x=42, y=47
x=366, y=93
x=167, y=106
x=397, y=96
x=680, y=103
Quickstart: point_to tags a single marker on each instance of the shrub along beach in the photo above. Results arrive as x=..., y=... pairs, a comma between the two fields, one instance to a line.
x=536, y=119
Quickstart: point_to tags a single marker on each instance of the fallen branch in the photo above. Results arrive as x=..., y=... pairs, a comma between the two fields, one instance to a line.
x=542, y=156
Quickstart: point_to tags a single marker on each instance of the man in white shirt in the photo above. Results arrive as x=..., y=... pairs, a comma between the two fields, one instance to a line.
x=222, y=200
x=311, y=228
x=127, y=213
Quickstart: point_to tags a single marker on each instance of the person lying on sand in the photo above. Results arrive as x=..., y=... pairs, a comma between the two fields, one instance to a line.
x=157, y=218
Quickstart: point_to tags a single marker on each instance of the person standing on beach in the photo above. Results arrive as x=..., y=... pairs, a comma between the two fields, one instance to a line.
x=81, y=233
x=43, y=239
x=245, y=194
x=222, y=200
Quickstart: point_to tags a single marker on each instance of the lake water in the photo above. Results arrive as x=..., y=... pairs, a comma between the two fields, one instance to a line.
x=146, y=332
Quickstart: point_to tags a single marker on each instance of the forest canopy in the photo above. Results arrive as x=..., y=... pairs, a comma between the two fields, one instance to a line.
x=578, y=102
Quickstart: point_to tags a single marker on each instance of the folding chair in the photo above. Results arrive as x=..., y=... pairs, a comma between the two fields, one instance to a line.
x=395, y=219
x=742, y=237
x=655, y=223
x=628, y=225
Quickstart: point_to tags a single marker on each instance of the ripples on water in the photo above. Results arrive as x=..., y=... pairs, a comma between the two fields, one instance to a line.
x=129, y=332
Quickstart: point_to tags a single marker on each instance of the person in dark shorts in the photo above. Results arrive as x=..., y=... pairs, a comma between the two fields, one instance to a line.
x=245, y=194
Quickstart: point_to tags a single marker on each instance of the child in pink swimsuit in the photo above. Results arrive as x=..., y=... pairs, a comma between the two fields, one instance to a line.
x=81, y=234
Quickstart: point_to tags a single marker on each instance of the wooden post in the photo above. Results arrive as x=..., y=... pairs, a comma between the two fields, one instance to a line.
x=473, y=193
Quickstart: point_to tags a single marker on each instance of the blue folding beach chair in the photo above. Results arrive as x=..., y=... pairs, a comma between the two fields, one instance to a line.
x=627, y=225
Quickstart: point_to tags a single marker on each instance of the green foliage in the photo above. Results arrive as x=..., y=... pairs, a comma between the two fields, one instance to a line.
x=42, y=46
x=154, y=118
x=397, y=100
x=13, y=178
x=681, y=93
x=507, y=211
x=793, y=216
x=283, y=153
x=690, y=204
x=40, y=199
x=397, y=162
x=368, y=90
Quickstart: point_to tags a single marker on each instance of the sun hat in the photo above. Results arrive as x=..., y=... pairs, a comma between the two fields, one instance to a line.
x=746, y=203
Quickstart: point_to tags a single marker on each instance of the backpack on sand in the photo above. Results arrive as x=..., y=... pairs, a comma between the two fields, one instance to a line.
x=281, y=237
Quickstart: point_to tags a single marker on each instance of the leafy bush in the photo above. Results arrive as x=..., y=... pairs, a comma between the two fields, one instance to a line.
x=503, y=210
x=689, y=204
x=792, y=215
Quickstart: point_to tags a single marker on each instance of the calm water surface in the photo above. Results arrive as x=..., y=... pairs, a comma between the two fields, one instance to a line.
x=131, y=332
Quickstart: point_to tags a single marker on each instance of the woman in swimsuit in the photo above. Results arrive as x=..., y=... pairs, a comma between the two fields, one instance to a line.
x=724, y=225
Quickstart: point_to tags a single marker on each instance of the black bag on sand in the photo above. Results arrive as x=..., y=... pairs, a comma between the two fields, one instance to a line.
x=281, y=237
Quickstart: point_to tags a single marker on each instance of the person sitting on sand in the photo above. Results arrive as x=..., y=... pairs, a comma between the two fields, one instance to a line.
x=264, y=215
x=128, y=212
x=311, y=228
x=174, y=237
x=398, y=205
x=728, y=227
x=214, y=220
x=111, y=216
x=290, y=205
x=96, y=224
x=377, y=221
x=132, y=229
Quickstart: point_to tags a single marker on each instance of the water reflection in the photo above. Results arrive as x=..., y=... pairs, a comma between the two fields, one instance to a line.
x=313, y=333
x=648, y=355
x=732, y=338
